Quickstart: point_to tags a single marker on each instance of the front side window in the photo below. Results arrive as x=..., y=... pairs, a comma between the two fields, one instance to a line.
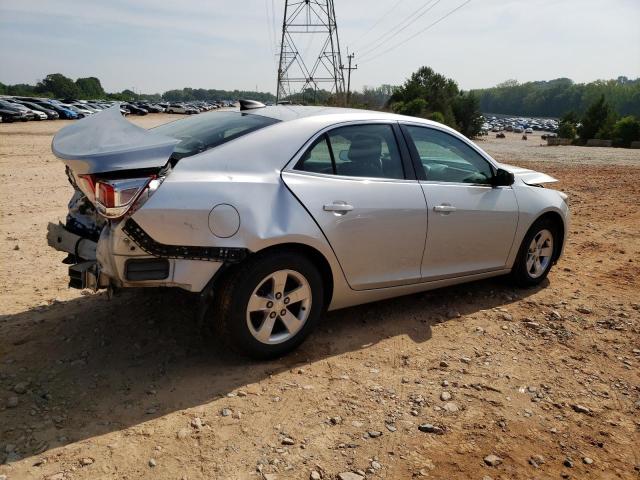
x=355, y=151
x=446, y=158
x=202, y=132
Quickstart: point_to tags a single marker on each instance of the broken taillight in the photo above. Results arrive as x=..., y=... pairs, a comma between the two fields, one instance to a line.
x=87, y=185
x=114, y=198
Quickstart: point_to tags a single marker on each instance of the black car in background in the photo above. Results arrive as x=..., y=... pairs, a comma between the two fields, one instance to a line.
x=136, y=110
x=49, y=112
x=10, y=113
x=151, y=108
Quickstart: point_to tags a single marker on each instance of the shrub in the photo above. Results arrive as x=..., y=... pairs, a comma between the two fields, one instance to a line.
x=626, y=130
x=436, y=117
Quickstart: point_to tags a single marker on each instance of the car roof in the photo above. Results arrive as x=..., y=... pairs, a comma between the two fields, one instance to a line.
x=286, y=113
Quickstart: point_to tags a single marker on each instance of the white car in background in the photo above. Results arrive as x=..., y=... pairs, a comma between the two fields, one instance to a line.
x=180, y=108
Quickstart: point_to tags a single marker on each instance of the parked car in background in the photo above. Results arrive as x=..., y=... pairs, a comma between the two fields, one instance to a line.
x=81, y=112
x=31, y=114
x=150, y=107
x=181, y=108
x=65, y=113
x=81, y=107
x=49, y=112
x=134, y=109
x=274, y=215
x=10, y=113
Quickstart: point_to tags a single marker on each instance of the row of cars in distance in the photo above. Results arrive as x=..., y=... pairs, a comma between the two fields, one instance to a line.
x=23, y=109
x=519, y=124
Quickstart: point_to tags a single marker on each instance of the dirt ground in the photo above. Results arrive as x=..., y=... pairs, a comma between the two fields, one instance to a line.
x=546, y=379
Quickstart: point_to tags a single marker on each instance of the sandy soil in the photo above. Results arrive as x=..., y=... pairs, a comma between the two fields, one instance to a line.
x=546, y=379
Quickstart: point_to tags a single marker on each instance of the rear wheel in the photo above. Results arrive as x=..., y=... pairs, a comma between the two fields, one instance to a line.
x=269, y=305
x=536, y=254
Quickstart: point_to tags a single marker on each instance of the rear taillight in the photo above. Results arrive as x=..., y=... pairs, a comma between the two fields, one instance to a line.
x=87, y=185
x=114, y=198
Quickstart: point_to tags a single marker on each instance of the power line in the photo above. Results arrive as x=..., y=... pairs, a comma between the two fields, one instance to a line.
x=271, y=31
x=419, y=32
x=398, y=28
x=377, y=22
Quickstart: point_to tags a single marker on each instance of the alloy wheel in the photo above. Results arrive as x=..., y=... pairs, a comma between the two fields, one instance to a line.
x=539, y=253
x=279, y=307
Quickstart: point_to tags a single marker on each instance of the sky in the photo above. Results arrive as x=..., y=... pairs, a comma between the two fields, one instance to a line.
x=156, y=45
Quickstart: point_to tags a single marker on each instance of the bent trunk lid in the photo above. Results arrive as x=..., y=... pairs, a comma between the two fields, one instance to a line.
x=107, y=142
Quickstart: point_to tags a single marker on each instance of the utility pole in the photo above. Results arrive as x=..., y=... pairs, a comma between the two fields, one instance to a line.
x=313, y=21
x=349, y=68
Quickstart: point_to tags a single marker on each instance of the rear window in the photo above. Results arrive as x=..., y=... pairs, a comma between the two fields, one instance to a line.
x=208, y=130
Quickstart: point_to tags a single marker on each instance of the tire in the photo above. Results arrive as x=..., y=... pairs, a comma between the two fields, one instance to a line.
x=545, y=236
x=258, y=329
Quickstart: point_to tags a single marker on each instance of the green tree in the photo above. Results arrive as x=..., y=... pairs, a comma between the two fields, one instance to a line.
x=594, y=119
x=567, y=127
x=414, y=108
x=466, y=109
x=437, y=90
x=58, y=85
x=436, y=117
x=90, y=87
x=626, y=130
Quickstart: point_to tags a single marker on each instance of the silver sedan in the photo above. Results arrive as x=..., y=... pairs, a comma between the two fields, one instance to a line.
x=274, y=215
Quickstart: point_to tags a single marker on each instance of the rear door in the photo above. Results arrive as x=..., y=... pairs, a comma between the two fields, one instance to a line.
x=472, y=224
x=352, y=181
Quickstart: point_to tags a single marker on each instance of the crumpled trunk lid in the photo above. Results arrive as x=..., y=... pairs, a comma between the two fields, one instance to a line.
x=107, y=142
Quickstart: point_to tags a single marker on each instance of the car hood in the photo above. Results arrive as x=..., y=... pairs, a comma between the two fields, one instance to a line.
x=530, y=177
x=106, y=142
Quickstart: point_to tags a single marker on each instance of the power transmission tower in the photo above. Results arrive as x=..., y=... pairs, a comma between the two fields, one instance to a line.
x=349, y=68
x=313, y=21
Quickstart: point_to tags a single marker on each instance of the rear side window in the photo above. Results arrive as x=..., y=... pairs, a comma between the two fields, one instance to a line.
x=355, y=151
x=208, y=130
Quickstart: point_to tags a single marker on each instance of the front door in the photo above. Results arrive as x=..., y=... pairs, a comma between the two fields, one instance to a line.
x=352, y=182
x=471, y=223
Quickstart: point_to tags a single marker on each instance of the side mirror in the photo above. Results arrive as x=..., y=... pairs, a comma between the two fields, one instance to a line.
x=502, y=178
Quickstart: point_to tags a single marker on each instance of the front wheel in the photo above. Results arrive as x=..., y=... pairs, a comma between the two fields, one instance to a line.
x=270, y=304
x=536, y=255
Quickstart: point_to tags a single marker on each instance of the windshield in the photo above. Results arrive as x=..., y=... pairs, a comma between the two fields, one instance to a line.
x=6, y=104
x=208, y=130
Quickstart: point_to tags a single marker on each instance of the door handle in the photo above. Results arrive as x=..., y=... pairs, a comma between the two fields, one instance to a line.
x=444, y=208
x=337, y=207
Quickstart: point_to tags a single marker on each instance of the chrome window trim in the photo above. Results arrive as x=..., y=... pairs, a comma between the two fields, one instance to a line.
x=348, y=178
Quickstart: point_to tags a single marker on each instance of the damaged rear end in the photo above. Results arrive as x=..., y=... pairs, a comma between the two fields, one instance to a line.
x=114, y=167
x=117, y=167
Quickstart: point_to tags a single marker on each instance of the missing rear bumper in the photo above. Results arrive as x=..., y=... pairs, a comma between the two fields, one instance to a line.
x=87, y=275
x=142, y=269
x=213, y=254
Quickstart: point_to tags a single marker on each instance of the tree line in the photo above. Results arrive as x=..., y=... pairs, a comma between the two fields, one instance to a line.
x=57, y=85
x=600, y=121
x=554, y=98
